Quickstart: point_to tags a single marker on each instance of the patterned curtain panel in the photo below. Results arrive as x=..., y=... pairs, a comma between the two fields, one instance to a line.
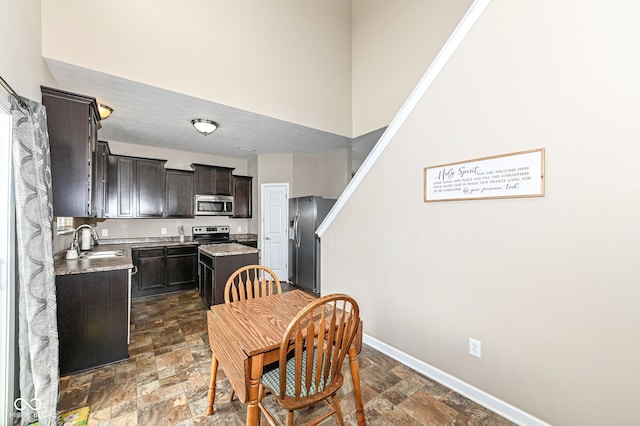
x=38, y=329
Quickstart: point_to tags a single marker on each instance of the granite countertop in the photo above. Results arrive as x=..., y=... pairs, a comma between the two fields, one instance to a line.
x=146, y=242
x=63, y=266
x=229, y=249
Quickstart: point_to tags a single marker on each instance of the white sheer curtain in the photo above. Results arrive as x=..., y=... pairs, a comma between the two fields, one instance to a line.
x=38, y=330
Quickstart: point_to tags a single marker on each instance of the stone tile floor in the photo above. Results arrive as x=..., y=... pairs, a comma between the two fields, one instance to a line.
x=165, y=381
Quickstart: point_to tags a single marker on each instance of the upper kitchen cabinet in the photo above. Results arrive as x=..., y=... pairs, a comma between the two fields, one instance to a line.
x=136, y=187
x=179, y=193
x=72, y=122
x=213, y=180
x=242, y=194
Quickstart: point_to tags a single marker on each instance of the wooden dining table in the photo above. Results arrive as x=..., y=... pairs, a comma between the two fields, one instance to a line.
x=245, y=336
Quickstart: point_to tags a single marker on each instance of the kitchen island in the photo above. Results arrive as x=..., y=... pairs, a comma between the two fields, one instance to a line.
x=216, y=264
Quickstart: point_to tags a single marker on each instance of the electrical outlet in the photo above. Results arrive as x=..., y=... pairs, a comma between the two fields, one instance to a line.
x=475, y=348
x=105, y=232
x=239, y=228
x=163, y=231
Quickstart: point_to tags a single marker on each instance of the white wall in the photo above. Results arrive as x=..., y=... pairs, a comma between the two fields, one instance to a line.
x=286, y=59
x=23, y=68
x=393, y=44
x=306, y=176
x=20, y=51
x=335, y=172
x=547, y=284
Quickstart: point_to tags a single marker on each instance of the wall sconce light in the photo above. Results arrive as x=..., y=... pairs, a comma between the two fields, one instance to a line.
x=204, y=126
x=104, y=111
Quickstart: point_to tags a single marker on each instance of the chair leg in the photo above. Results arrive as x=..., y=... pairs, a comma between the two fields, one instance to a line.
x=233, y=393
x=335, y=403
x=212, y=385
x=289, y=418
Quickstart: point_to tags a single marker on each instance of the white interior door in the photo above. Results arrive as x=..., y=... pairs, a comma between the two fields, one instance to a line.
x=275, y=236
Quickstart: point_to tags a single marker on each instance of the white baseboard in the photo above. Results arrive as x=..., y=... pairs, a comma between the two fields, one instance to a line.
x=481, y=397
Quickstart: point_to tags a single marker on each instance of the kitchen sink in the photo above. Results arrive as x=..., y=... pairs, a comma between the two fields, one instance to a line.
x=101, y=254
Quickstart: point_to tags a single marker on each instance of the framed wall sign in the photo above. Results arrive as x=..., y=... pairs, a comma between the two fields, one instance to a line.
x=514, y=175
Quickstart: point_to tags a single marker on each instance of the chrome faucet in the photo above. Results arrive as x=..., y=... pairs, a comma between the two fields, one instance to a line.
x=74, y=250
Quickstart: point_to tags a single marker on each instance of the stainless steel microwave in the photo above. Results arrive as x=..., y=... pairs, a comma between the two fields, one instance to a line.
x=213, y=205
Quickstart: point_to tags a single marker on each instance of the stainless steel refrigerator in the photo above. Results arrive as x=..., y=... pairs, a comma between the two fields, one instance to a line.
x=305, y=215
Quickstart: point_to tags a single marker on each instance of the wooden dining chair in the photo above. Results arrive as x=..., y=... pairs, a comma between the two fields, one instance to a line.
x=310, y=359
x=251, y=281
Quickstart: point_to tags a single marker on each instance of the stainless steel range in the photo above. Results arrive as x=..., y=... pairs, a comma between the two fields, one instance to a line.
x=211, y=234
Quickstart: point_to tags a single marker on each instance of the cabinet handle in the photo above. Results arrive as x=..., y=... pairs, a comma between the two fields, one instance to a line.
x=134, y=270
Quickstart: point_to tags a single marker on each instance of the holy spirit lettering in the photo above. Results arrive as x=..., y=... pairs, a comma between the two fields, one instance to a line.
x=504, y=176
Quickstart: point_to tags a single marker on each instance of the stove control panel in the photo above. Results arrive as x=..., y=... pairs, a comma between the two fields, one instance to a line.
x=200, y=230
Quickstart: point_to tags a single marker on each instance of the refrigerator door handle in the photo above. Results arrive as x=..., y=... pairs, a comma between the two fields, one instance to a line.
x=296, y=230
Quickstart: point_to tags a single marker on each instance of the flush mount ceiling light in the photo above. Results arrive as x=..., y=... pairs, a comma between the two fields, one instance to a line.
x=104, y=111
x=244, y=148
x=204, y=126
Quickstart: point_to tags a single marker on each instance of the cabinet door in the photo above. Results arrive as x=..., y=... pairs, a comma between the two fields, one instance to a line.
x=205, y=177
x=149, y=188
x=121, y=178
x=213, y=180
x=93, y=319
x=181, y=267
x=205, y=279
x=72, y=127
x=151, y=269
x=242, y=194
x=222, y=181
x=179, y=193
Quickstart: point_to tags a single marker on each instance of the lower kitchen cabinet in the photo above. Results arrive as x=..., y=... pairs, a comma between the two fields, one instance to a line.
x=163, y=269
x=249, y=243
x=93, y=319
x=150, y=265
x=215, y=271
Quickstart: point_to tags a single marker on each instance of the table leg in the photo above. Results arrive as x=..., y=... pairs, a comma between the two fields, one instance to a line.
x=253, y=411
x=357, y=391
x=212, y=385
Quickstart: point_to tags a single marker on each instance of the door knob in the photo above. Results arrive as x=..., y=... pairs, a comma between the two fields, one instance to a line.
x=267, y=238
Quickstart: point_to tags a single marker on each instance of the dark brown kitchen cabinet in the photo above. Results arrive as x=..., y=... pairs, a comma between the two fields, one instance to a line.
x=136, y=187
x=213, y=180
x=179, y=193
x=72, y=123
x=215, y=271
x=182, y=264
x=162, y=269
x=149, y=188
x=242, y=193
x=150, y=266
x=93, y=319
x=249, y=243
